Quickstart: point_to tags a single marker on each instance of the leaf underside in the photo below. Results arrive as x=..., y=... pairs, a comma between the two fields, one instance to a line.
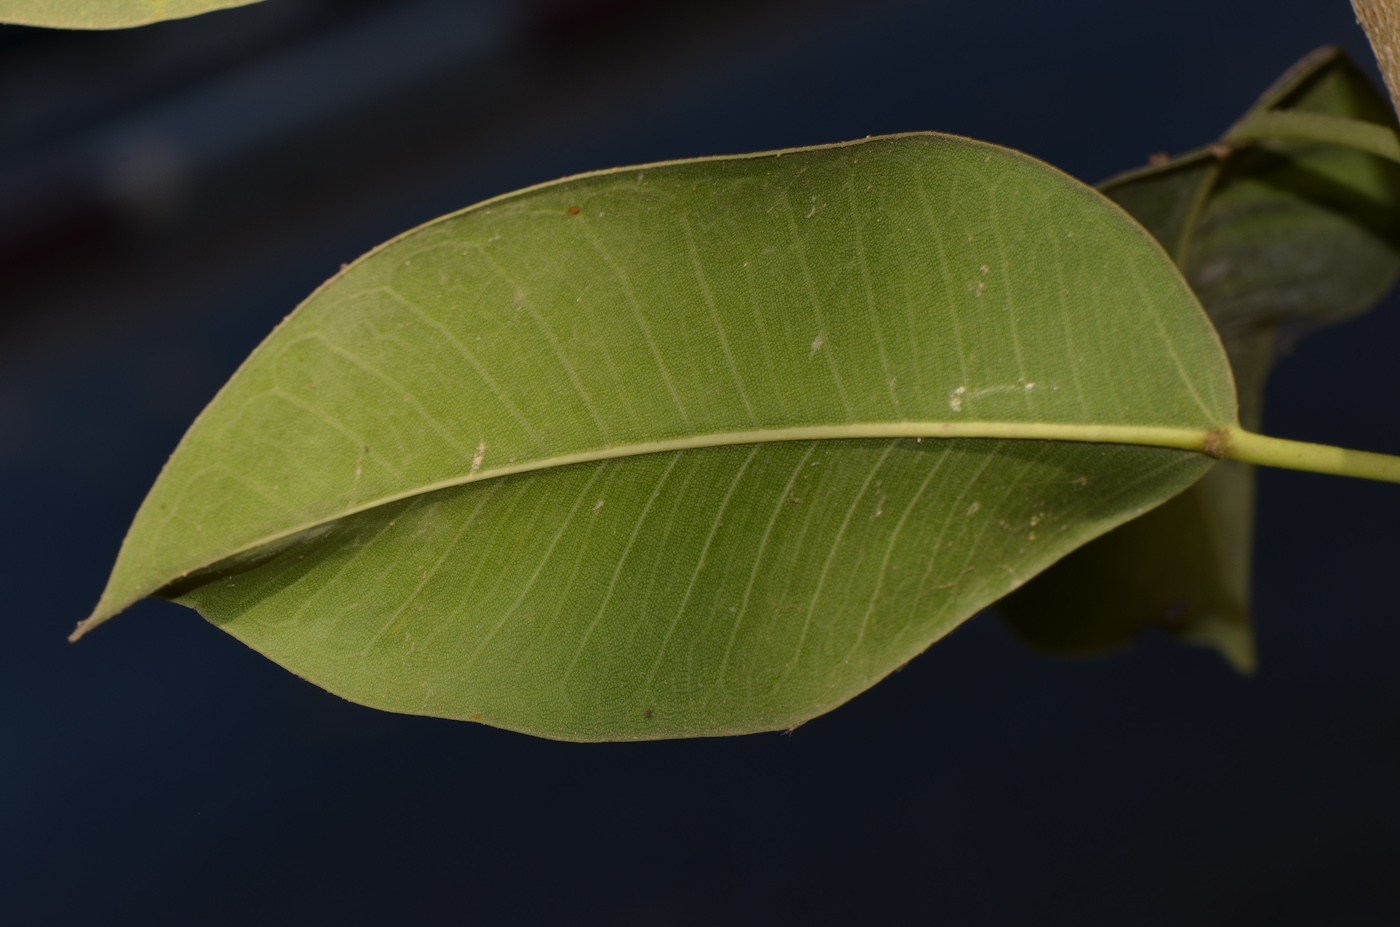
x=1277, y=238
x=692, y=593
x=352, y=505
x=105, y=14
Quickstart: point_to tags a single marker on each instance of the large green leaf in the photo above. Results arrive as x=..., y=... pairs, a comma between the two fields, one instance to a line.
x=105, y=14
x=1277, y=236
x=691, y=448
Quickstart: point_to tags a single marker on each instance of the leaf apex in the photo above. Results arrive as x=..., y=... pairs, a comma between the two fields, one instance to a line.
x=100, y=615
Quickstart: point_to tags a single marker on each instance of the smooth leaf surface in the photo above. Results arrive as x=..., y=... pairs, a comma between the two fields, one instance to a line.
x=691, y=448
x=1277, y=236
x=105, y=14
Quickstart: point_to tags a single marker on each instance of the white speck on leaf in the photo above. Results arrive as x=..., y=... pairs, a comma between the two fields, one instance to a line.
x=955, y=398
x=480, y=456
x=816, y=345
x=972, y=509
x=598, y=505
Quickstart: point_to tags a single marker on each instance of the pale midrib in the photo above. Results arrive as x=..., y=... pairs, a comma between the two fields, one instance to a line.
x=1233, y=442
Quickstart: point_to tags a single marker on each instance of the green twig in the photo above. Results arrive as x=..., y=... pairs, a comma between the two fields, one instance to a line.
x=1249, y=447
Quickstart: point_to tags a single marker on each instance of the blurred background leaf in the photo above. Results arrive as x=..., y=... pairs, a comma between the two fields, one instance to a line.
x=1278, y=237
x=105, y=14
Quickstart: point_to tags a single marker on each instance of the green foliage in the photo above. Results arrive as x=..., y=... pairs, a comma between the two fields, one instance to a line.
x=692, y=448
x=105, y=14
x=1289, y=223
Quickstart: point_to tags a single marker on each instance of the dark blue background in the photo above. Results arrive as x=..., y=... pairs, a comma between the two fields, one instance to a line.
x=168, y=194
